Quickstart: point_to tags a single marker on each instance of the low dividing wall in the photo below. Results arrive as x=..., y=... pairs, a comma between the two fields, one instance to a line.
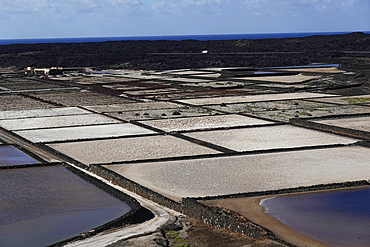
x=214, y=216
x=135, y=187
x=223, y=219
x=330, y=128
x=191, y=207
x=219, y=218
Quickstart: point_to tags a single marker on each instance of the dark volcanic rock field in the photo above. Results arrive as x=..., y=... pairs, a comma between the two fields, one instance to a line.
x=159, y=55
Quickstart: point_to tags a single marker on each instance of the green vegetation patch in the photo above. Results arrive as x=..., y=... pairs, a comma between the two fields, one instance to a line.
x=179, y=241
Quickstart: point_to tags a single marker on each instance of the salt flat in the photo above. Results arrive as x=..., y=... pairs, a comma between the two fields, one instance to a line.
x=281, y=79
x=252, y=98
x=189, y=72
x=175, y=79
x=269, y=137
x=249, y=173
x=62, y=111
x=129, y=149
x=59, y=121
x=82, y=132
x=214, y=84
x=216, y=75
x=358, y=123
x=329, y=70
x=196, y=123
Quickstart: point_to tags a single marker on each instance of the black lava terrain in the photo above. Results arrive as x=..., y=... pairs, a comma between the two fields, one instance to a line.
x=164, y=55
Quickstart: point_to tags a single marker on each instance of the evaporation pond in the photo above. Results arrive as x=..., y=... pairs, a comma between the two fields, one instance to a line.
x=336, y=218
x=43, y=205
x=10, y=156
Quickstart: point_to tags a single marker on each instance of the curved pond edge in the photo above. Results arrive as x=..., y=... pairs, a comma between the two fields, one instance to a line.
x=218, y=215
x=307, y=236
x=137, y=214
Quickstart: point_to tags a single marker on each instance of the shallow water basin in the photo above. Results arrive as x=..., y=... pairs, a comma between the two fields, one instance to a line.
x=43, y=205
x=335, y=218
x=11, y=156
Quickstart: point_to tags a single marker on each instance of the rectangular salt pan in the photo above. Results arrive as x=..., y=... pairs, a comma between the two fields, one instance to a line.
x=282, y=79
x=65, y=111
x=194, y=123
x=252, y=98
x=52, y=122
x=82, y=132
x=359, y=123
x=249, y=173
x=129, y=149
x=269, y=137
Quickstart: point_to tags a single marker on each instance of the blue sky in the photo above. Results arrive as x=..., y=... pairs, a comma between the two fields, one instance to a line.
x=116, y=18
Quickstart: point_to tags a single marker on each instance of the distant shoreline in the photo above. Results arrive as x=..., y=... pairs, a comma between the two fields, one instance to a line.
x=198, y=37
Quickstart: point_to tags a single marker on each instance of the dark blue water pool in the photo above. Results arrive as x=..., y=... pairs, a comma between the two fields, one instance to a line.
x=43, y=205
x=337, y=218
x=10, y=156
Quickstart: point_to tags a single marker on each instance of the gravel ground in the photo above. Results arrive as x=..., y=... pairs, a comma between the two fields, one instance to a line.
x=18, y=102
x=78, y=98
x=206, y=122
x=251, y=98
x=133, y=107
x=162, y=113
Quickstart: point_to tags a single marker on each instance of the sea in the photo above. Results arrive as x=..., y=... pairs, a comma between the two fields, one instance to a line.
x=174, y=37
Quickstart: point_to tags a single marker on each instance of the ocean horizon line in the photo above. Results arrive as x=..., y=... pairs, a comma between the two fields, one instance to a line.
x=198, y=37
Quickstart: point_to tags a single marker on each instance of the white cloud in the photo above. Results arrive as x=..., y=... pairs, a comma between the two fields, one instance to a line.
x=287, y=6
x=71, y=9
x=22, y=5
x=125, y=2
x=191, y=7
x=158, y=5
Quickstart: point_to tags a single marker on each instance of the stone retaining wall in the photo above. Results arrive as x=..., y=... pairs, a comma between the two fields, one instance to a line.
x=135, y=187
x=223, y=219
x=214, y=216
x=330, y=128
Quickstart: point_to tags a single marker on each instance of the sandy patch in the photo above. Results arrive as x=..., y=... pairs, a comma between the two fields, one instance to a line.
x=249, y=207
